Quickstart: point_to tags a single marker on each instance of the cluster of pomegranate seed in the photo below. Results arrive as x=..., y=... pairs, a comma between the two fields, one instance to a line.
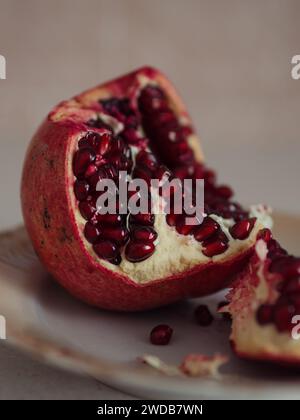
x=102, y=155
x=169, y=140
x=161, y=335
x=281, y=312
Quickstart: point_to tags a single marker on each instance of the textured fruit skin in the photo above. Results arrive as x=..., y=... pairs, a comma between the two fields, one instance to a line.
x=49, y=204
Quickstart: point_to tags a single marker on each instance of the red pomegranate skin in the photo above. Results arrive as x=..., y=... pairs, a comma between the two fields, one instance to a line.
x=49, y=206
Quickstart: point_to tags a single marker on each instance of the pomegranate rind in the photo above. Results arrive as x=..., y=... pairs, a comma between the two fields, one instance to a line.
x=50, y=214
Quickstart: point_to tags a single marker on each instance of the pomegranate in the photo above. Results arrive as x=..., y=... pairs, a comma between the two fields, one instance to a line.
x=161, y=335
x=264, y=303
x=124, y=260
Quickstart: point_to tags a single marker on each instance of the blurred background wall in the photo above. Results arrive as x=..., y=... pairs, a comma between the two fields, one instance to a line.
x=231, y=60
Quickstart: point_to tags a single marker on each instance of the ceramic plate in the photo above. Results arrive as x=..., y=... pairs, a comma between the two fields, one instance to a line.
x=44, y=320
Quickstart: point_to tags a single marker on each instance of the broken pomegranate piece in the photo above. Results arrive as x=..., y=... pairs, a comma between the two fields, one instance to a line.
x=128, y=260
x=264, y=303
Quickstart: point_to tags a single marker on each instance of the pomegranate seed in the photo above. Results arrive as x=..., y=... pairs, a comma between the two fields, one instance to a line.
x=104, y=144
x=264, y=314
x=214, y=247
x=241, y=230
x=295, y=300
x=91, y=232
x=106, y=250
x=264, y=234
x=82, y=159
x=144, y=234
x=203, y=316
x=182, y=228
x=81, y=190
x=292, y=285
x=130, y=135
x=137, y=251
x=224, y=191
x=142, y=173
x=146, y=219
x=198, y=171
x=288, y=266
x=87, y=209
x=116, y=234
x=95, y=178
x=181, y=172
x=161, y=335
x=91, y=170
x=282, y=317
x=111, y=172
x=208, y=228
x=147, y=160
x=152, y=98
x=172, y=219
x=209, y=176
x=117, y=146
x=111, y=219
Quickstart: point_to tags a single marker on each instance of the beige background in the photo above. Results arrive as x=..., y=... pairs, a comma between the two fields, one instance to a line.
x=229, y=59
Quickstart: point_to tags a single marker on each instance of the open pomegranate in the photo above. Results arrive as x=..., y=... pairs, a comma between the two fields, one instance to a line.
x=137, y=124
x=264, y=304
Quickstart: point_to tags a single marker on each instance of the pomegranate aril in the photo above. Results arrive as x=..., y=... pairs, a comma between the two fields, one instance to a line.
x=91, y=232
x=117, y=146
x=142, y=173
x=161, y=335
x=288, y=266
x=242, y=229
x=91, y=170
x=130, y=135
x=283, y=316
x=137, y=251
x=111, y=172
x=146, y=219
x=209, y=176
x=143, y=234
x=264, y=314
x=146, y=159
x=82, y=159
x=151, y=99
x=95, y=178
x=275, y=250
x=172, y=219
x=291, y=286
x=203, y=316
x=104, y=144
x=182, y=228
x=224, y=191
x=87, y=209
x=208, y=228
x=264, y=234
x=81, y=189
x=214, y=246
x=106, y=250
x=113, y=219
x=117, y=234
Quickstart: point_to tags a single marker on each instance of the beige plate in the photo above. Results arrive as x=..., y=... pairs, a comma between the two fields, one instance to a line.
x=45, y=321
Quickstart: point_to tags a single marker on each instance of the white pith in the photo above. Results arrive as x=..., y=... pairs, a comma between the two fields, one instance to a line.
x=250, y=338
